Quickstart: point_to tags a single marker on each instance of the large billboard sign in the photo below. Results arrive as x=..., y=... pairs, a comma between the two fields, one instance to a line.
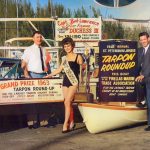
x=80, y=29
x=30, y=91
x=117, y=70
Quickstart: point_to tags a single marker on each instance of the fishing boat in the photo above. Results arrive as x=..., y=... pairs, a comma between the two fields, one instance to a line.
x=102, y=117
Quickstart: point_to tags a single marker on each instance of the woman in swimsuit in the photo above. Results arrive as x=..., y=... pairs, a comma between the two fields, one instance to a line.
x=69, y=89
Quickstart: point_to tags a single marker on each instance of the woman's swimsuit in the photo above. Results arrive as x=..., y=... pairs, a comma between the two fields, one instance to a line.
x=75, y=67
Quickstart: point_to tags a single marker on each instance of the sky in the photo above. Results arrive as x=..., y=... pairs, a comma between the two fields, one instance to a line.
x=137, y=10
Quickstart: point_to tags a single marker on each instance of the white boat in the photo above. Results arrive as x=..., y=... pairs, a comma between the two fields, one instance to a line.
x=100, y=117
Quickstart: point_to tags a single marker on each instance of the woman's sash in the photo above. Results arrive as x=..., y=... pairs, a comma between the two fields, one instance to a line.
x=70, y=74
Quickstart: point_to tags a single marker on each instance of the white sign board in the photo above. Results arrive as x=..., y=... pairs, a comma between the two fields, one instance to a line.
x=30, y=91
x=80, y=29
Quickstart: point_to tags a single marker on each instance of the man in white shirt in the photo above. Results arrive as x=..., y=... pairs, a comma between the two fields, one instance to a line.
x=32, y=58
x=33, y=64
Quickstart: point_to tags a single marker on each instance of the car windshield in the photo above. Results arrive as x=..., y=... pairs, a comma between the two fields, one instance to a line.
x=10, y=68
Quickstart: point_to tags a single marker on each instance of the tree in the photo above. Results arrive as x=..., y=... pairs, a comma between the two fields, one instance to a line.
x=96, y=13
x=80, y=13
x=113, y=30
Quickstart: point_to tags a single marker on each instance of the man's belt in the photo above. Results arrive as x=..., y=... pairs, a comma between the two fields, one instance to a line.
x=38, y=73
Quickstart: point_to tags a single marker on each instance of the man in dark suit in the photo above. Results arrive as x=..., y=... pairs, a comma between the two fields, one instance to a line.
x=140, y=86
x=145, y=69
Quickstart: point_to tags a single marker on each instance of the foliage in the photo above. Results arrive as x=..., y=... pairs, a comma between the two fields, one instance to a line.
x=80, y=13
x=96, y=13
x=113, y=30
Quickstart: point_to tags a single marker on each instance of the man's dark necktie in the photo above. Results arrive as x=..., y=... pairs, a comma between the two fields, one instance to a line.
x=143, y=53
x=41, y=56
x=144, y=50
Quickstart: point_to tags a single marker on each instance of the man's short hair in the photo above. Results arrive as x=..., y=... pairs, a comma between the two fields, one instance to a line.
x=36, y=32
x=144, y=34
x=68, y=40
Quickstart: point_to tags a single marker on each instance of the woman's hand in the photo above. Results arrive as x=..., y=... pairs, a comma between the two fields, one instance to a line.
x=81, y=81
x=48, y=76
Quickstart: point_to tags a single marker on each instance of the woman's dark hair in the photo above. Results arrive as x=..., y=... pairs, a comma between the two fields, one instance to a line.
x=68, y=40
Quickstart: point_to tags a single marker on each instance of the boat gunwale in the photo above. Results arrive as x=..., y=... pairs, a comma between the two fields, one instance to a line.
x=108, y=106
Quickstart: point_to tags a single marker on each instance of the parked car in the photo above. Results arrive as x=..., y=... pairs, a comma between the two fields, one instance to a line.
x=10, y=68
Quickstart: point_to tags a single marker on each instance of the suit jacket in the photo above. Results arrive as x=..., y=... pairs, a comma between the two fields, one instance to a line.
x=145, y=70
x=139, y=60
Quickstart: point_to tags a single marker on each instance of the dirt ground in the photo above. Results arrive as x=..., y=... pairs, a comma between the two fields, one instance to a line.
x=134, y=138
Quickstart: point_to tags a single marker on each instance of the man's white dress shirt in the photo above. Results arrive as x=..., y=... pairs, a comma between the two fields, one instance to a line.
x=32, y=57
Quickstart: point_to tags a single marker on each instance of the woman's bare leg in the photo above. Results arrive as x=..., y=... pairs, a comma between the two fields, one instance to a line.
x=65, y=91
x=71, y=118
x=69, y=96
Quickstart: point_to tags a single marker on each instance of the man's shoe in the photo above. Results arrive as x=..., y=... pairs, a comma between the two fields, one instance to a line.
x=35, y=126
x=51, y=125
x=140, y=105
x=147, y=129
x=30, y=126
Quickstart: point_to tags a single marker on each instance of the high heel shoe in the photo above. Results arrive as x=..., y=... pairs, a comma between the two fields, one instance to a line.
x=72, y=126
x=65, y=131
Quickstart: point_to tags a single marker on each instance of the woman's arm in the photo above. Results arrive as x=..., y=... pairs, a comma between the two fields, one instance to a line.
x=55, y=72
x=80, y=62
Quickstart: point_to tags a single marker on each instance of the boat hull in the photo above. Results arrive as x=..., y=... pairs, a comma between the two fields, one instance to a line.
x=100, y=118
